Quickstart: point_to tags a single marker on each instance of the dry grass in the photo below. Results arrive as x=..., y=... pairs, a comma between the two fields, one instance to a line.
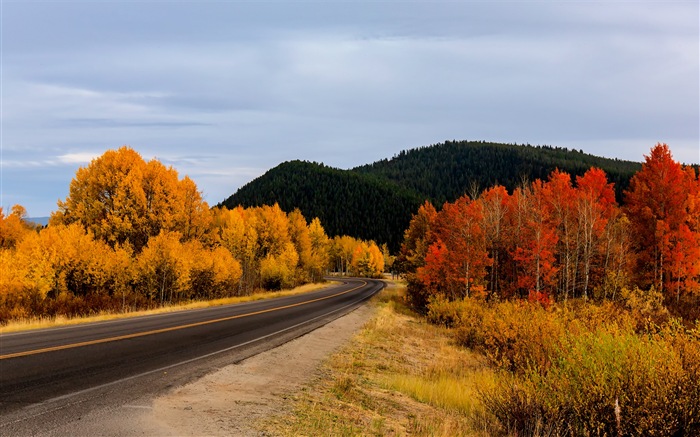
x=399, y=376
x=50, y=322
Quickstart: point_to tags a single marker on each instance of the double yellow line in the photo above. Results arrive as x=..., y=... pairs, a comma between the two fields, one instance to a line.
x=172, y=328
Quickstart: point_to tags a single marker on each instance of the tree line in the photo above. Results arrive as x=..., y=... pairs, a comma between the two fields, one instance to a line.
x=391, y=190
x=132, y=234
x=347, y=203
x=562, y=238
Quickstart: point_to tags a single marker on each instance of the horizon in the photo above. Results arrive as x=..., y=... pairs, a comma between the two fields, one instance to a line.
x=223, y=91
x=33, y=218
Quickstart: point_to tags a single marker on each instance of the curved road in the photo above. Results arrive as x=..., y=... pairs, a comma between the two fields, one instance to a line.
x=51, y=376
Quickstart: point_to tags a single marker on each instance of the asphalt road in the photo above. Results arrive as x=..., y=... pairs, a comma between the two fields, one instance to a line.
x=51, y=376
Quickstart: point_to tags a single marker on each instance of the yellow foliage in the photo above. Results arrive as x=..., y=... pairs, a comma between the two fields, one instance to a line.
x=162, y=269
x=367, y=260
x=121, y=198
x=12, y=227
x=320, y=247
x=132, y=234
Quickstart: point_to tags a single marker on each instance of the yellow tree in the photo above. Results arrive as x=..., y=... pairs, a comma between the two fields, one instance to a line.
x=237, y=232
x=320, y=249
x=13, y=228
x=212, y=273
x=272, y=227
x=71, y=271
x=162, y=268
x=194, y=219
x=343, y=249
x=121, y=198
x=299, y=234
x=367, y=260
x=277, y=271
x=15, y=287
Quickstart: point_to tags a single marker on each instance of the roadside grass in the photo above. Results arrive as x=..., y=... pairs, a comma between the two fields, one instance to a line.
x=51, y=322
x=398, y=376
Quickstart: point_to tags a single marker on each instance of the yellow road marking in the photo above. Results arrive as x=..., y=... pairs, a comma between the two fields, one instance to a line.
x=172, y=328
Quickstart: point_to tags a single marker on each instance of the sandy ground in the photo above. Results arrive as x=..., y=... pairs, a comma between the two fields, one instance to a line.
x=232, y=400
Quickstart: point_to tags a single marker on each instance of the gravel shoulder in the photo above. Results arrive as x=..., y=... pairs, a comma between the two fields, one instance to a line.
x=234, y=399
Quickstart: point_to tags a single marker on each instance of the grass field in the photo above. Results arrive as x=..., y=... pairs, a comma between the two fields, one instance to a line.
x=399, y=376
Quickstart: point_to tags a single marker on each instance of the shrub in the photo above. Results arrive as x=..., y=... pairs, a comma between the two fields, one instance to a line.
x=605, y=381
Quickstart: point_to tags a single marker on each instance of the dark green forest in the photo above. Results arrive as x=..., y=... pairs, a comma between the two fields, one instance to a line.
x=376, y=201
x=443, y=172
x=346, y=202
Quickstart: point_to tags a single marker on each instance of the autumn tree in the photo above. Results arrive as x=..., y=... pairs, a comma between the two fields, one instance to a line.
x=237, y=232
x=417, y=239
x=320, y=250
x=412, y=256
x=341, y=251
x=560, y=197
x=596, y=206
x=13, y=228
x=534, y=243
x=458, y=230
x=495, y=206
x=120, y=198
x=301, y=238
x=660, y=205
x=162, y=270
x=367, y=260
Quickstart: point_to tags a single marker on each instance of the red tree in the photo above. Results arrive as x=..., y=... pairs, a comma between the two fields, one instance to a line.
x=659, y=203
x=536, y=239
x=460, y=247
x=596, y=205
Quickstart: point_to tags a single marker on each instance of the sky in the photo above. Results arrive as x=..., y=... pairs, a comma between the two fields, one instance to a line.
x=225, y=90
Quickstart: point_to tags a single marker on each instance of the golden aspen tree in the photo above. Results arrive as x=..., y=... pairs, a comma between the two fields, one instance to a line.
x=195, y=219
x=16, y=287
x=272, y=227
x=13, y=228
x=237, y=232
x=367, y=260
x=299, y=234
x=320, y=250
x=226, y=271
x=277, y=271
x=121, y=198
x=343, y=249
x=161, y=271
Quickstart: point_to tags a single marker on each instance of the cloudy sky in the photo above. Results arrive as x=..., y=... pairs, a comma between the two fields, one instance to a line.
x=224, y=90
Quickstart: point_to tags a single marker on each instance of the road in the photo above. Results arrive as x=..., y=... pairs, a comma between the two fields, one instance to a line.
x=51, y=376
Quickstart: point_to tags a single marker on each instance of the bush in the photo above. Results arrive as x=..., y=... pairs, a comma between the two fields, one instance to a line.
x=566, y=378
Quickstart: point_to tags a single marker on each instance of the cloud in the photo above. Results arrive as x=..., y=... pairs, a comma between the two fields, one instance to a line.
x=77, y=158
x=224, y=90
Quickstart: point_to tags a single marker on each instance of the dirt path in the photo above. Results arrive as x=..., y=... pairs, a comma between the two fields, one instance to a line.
x=231, y=400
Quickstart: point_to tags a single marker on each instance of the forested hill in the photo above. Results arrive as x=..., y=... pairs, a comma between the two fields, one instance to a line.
x=347, y=203
x=376, y=201
x=445, y=171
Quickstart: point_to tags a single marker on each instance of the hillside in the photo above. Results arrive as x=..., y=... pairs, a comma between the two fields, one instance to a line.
x=347, y=203
x=376, y=201
x=445, y=171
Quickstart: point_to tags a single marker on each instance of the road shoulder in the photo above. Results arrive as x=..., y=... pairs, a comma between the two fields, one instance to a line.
x=232, y=400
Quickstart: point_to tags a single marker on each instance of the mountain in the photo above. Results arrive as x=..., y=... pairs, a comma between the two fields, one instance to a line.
x=39, y=221
x=376, y=201
x=346, y=202
x=445, y=171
